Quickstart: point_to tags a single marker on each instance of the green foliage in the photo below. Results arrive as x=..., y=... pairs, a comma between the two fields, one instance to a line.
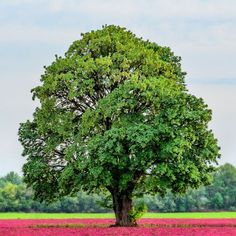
x=137, y=211
x=116, y=116
x=15, y=197
x=219, y=196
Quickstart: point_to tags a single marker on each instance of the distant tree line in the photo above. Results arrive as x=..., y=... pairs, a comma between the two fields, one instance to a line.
x=219, y=196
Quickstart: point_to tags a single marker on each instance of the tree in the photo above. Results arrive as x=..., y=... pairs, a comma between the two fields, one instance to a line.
x=223, y=190
x=116, y=116
x=13, y=178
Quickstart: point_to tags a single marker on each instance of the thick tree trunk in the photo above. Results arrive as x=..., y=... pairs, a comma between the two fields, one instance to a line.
x=122, y=204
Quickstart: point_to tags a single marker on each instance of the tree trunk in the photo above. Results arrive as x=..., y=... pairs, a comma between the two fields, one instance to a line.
x=122, y=204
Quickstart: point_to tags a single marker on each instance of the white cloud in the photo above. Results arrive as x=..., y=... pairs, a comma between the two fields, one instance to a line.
x=157, y=9
x=29, y=33
x=194, y=8
x=152, y=8
x=19, y=2
x=98, y=8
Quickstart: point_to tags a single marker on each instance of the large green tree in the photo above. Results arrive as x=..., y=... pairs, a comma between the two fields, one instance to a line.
x=116, y=116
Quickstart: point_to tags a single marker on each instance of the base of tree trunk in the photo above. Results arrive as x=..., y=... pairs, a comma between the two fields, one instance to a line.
x=122, y=205
x=129, y=225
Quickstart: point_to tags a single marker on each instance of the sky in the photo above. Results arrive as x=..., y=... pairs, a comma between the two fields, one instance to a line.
x=202, y=32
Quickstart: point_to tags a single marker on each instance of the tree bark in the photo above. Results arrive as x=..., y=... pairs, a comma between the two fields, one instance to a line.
x=122, y=204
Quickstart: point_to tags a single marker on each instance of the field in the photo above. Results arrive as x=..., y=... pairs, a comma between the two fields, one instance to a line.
x=207, y=224
x=190, y=215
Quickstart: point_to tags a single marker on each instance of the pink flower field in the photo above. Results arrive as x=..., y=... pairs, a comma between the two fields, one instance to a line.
x=100, y=227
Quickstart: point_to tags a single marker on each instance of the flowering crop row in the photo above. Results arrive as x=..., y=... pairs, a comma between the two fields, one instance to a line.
x=99, y=227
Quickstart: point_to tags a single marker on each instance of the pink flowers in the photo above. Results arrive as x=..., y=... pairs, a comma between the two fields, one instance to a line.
x=100, y=227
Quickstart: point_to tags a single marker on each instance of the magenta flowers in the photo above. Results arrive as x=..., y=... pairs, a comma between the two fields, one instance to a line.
x=100, y=227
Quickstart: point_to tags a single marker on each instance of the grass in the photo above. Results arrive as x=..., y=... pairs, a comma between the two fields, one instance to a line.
x=17, y=215
x=197, y=215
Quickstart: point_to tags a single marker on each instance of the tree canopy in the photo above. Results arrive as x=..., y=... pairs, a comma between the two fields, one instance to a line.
x=115, y=115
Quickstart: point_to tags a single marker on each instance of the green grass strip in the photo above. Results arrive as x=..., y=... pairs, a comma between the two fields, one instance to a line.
x=197, y=215
x=192, y=215
x=55, y=215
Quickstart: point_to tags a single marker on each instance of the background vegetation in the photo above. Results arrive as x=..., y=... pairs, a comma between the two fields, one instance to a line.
x=220, y=196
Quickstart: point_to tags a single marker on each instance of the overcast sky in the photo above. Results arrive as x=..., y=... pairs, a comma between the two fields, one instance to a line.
x=202, y=32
